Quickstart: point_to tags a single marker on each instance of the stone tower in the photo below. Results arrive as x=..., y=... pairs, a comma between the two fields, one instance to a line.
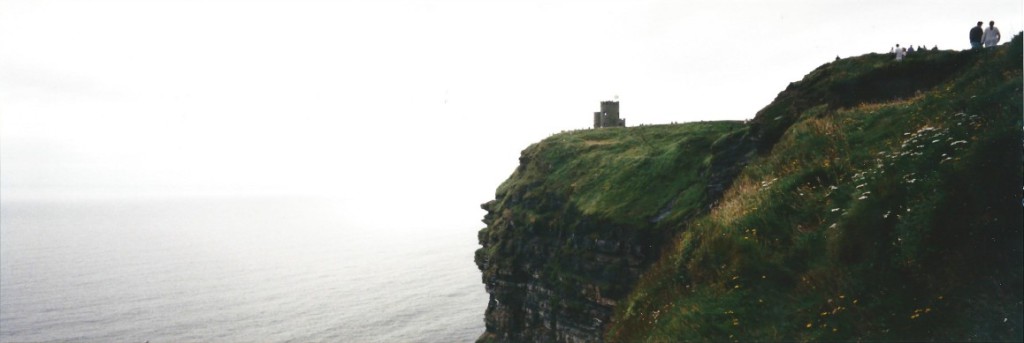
x=609, y=115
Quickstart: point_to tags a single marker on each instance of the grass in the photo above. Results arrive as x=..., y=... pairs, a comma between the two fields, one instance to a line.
x=625, y=176
x=885, y=205
x=586, y=209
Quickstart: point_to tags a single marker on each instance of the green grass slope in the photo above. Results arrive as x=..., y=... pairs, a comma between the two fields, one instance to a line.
x=627, y=184
x=571, y=230
x=884, y=204
x=622, y=175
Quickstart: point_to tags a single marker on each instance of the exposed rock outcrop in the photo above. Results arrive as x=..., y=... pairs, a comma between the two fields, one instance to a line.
x=555, y=264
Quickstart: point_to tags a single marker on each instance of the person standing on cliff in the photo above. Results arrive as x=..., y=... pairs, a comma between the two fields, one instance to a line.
x=991, y=37
x=976, y=36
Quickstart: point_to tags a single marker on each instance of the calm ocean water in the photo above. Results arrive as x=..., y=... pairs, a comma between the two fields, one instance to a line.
x=229, y=270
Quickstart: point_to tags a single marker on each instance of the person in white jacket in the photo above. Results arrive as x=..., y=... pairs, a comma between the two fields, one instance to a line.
x=991, y=37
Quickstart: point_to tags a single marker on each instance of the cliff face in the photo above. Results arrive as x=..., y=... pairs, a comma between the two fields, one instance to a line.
x=582, y=217
x=871, y=200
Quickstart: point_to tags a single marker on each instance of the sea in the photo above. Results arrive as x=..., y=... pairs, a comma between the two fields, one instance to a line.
x=227, y=269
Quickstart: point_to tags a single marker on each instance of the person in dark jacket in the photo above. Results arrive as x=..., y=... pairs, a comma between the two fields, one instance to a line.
x=976, y=33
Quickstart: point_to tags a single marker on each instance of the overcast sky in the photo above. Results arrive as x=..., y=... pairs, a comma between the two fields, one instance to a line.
x=391, y=103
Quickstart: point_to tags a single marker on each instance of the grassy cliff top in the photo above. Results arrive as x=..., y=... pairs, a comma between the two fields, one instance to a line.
x=885, y=205
x=632, y=176
x=872, y=200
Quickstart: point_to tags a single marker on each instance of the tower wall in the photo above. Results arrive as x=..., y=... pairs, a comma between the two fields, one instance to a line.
x=611, y=108
x=609, y=115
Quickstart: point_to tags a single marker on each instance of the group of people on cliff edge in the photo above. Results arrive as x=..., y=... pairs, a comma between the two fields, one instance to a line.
x=987, y=38
x=901, y=52
x=980, y=38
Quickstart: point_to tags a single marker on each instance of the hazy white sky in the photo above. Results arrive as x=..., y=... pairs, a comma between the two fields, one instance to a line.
x=399, y=107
